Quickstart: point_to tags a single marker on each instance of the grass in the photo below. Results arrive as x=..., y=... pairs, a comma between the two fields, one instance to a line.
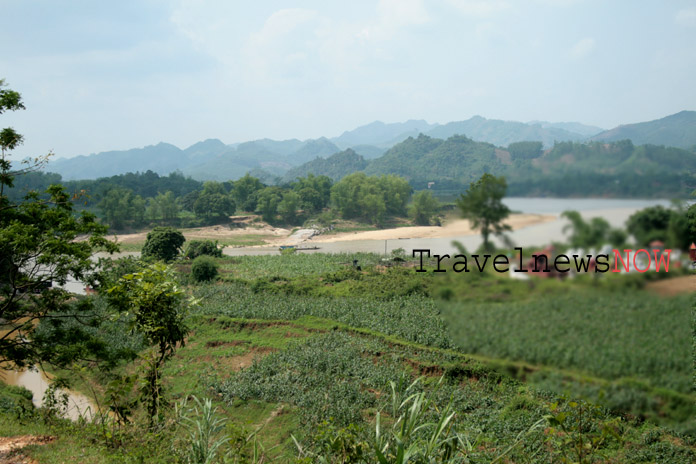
x=304, y=345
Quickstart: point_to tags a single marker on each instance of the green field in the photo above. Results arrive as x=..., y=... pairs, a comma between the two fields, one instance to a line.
x=298, y=351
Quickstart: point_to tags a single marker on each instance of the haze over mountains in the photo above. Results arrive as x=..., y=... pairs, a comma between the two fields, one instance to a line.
x=214, y=160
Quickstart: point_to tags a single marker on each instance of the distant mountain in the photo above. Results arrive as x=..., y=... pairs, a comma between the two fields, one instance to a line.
x=677, y=130
x=369, y=151
x=206, y=149
x=162, y=158
x=335, y=166
x=574, y=127
x=310, y=149
x=503, y=133
x=395, y=148
x=381, y=134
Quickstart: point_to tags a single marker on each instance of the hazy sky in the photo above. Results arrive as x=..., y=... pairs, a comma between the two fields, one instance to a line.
x=98, y=75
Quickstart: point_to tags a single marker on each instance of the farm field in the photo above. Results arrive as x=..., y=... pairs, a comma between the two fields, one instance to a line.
x=303, y=352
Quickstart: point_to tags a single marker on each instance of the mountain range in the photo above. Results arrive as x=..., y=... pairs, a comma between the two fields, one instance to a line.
x=214, y=160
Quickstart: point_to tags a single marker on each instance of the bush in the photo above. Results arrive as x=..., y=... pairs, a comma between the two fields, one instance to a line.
x=204, y=269
x=163, y=244
x=198, y=248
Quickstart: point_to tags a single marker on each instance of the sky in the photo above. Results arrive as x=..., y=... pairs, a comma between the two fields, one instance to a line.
x=114, y=75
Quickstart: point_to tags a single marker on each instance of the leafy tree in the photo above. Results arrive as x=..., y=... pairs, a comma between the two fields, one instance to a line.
x=268, y=201
x=314, y=192
x=483, y=205
x=650, y=224
x=43, y=245
x=243, y=191
x=204, y=269
x=214, y=204
x=287, y=208
x=163, y=244
x=424, y=207
x=120, y=207
x=525, y=150
x=371, y=198
x=156, y=307
x=198, y=248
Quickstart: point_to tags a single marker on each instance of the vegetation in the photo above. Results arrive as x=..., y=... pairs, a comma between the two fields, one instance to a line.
x=483, y=205
x=204, y=269
x=423, y=207
x=163, y=244
x=39, y=252
x=198, y=248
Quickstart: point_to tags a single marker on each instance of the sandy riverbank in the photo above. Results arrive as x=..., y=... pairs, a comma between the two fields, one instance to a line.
x=274, y=235
x=454, y=228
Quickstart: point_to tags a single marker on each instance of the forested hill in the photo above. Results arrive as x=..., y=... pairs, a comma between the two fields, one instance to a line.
x=335, y=166
x=569, y=168
x=677, y=130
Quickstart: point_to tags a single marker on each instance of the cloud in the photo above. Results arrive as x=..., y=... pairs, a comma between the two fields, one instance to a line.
x=686, y=17
x=479, y=8
x=583, y=48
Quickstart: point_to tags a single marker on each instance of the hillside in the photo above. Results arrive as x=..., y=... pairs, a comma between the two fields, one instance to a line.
x=677, y=130
x=335, y=166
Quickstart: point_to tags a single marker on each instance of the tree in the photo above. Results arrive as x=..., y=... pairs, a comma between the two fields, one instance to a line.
x=214, y=204
x=198, y=248
x=243, y=191
x=483, y=205
x=424, y=207
x=163, y=244
x=156, y=307
x=43, y=244
x=649, y=224
x=268, y=201
x=287, y=208
x=595, y=233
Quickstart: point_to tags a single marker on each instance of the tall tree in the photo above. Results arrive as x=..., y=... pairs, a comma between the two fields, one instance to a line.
x=43, y=244
x=483, y=205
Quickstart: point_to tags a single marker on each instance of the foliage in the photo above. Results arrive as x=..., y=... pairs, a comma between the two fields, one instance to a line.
x=670, y=226
x=267, y=202
x=157, y=308
x=595, y=233
x=482, y=205
x=335, y=167
x=163, y=244
x=198, y=248
x=424, y=207
x=204, y=269
x=244, y=192
x=204, y=429
x=371, y=198
x=525, y=150
x=43, y=245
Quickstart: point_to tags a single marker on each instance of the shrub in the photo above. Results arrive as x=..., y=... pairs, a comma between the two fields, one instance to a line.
x=163, y=244
x=198, y=248
x=204, y=269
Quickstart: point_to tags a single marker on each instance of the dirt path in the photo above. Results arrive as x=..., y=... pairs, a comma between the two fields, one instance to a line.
x=674, y=286
x=11, y=448
x=454, y=228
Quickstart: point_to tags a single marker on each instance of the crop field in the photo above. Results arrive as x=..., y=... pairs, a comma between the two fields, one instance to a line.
x=312, y=357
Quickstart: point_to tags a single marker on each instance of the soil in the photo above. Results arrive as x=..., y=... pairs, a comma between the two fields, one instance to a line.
x=10, y=448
